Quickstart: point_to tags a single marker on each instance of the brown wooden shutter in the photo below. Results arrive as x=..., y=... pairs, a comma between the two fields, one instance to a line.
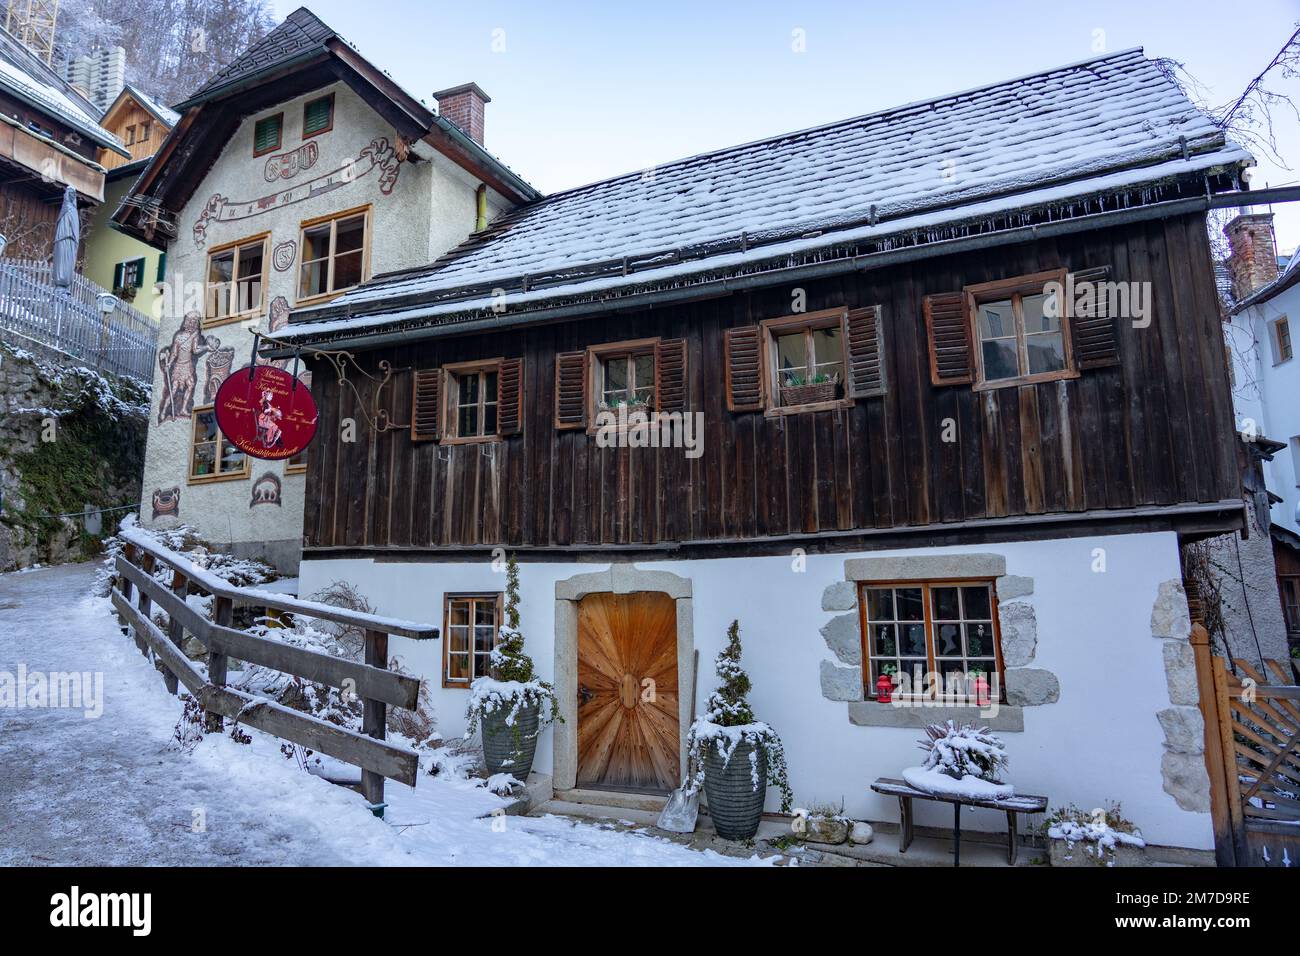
x=425, y=407
x=510, y=397
x=948, y=327
x=744, y=368
x=1095, y=338
x=670, y=375
x=571, y=390
x=865, y=352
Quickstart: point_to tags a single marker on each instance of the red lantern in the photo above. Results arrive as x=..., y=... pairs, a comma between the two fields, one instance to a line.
x=884, y=689
x=981, y=691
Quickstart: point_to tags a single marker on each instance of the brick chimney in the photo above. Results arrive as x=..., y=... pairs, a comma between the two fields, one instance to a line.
x=1253, y=259
x=463, y=105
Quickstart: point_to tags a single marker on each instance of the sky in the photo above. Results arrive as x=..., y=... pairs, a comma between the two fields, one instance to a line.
x=584, y=91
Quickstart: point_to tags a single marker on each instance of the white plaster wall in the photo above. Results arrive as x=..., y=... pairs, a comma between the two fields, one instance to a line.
x=431, y=208
x=1100, y=742
x=1270, y=394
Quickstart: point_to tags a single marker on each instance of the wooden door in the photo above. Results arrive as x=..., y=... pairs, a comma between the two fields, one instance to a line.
x=628, y=728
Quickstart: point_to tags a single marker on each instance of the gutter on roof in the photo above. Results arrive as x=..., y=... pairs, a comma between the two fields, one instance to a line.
x=775, y=277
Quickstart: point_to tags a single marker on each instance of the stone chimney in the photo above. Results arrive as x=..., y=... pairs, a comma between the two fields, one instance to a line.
x=463, y=105
x=1253, y=259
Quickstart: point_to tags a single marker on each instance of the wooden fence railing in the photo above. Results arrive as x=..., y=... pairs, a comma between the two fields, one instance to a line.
x=371, y=681
x=1253, y=755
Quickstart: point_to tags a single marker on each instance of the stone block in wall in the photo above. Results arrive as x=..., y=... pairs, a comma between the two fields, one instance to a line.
x=1030, y=686
x=1019, y=630
x=841, y=683
x=1180, y=673
x=843, y=636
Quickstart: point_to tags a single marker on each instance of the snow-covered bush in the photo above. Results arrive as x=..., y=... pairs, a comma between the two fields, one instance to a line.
x=728, y=721
x=1099, y=832
x=965, y=751
x=965, y=761
x=511, y=685
x=188, y=543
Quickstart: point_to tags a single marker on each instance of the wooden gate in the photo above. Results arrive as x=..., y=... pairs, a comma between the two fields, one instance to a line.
x=1252, y=730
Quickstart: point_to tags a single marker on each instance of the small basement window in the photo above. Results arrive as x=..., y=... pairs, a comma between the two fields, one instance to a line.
x=470, y=623
x=334, y=253
x=948, y=629
x=236, y=286
x=212, y=457
x=266, y=134
x=1021, y=331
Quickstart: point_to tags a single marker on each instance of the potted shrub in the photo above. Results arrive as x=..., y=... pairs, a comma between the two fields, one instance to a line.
x=733, y=754
x=961, y=761
x=511, y=705
x=822, y=823
x=1100, y=837
x=798, y=390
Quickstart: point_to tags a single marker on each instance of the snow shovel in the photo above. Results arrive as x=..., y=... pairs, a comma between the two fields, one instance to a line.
x=682, y=809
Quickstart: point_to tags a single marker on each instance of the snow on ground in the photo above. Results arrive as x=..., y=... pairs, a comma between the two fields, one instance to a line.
x=111, y=791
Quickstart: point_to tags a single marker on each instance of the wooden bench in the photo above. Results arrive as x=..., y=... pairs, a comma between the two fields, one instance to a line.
x=906, y=793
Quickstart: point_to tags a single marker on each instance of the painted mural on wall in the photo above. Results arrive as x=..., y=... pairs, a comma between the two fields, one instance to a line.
x=290, y=164
x=266, y=490
x=179, y=363
x=166, y=503
x=218, y=365
x=378, y=155
x=283, y=254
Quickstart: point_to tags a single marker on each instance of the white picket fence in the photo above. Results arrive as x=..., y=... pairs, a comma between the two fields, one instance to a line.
x=68, y=322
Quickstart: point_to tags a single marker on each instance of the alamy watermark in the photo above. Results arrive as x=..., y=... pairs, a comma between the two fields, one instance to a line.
x=1117, y=300
x=74, y=690
x=636, y=428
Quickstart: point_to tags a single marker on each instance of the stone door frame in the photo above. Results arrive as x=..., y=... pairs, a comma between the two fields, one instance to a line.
x=616, y=579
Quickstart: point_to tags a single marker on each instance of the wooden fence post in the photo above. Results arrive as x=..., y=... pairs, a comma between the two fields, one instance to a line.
x=374, y=721
x=1220, y=816
x=142, y=601
x=175, y=629
x=1236, y=814
x=223, y=613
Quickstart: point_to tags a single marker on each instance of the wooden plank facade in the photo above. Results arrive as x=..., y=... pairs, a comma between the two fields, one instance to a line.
x=1154, y=430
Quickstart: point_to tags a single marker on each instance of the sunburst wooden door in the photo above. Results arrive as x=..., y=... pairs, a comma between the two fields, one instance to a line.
x=627, y=691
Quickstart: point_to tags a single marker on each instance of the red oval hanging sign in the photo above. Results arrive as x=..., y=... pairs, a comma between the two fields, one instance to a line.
x=264, y=415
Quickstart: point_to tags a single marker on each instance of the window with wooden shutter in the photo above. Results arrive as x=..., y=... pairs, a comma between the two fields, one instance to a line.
x=318, y=116
x=425, y=407
x=571, y=390
x=266, y=134
x=948, y=326
x=670, y=357
x=1096, y=338
x=510, y=399
x=744, y=368
x=865, y=351
x=1021, y=330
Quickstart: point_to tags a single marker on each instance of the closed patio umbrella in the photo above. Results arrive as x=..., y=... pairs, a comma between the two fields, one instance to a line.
x=67, y=236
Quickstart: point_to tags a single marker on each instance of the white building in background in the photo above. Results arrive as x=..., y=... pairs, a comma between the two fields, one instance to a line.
x=101, y=74
x=1261, y=328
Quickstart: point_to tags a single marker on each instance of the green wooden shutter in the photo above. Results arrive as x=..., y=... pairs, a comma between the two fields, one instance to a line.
x=117, y=275
x=317, y=115
x=162, y=267
x=266, y=134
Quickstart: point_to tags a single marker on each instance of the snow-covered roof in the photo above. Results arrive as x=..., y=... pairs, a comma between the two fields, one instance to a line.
x=164, y=113
x=1113, y=122
x=50, y=99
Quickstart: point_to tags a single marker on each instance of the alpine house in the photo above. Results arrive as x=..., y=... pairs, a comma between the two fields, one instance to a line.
x=937, y=391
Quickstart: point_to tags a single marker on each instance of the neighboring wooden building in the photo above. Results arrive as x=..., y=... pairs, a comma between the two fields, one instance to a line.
x=132, y=269
x=901, y=455
x=50, y=138
x=295, y=173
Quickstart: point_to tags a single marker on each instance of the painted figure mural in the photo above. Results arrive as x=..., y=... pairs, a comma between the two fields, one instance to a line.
x=179, y=363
